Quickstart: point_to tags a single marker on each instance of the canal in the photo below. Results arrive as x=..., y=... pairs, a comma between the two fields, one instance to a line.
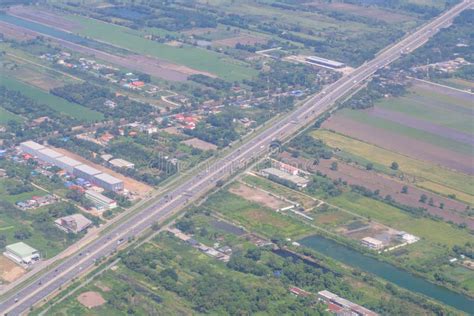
x=388, y=272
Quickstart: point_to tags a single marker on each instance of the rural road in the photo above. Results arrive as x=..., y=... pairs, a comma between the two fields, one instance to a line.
x=19, y=302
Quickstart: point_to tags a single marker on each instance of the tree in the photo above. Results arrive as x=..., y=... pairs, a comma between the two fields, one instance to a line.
x=334, y=166
x=423, y=198
x=405, y=189
x=441, y=205
x=394, y=165
x=369, y=166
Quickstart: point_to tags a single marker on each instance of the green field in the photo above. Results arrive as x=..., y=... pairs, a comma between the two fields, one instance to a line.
x=56, y=103
x=430, y=230
x=432, y=173
x=6, y=116
x=192, y=57
x=255, y=216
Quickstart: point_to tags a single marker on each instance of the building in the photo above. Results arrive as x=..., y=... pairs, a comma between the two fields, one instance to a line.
x=101, y=201
x=85, y=172
x=48, y=155
x=372, y=243
x=406, y=237
x=296, y=180
x=345, y=307
x=22, y=253
x=75, y=223
x=67, y=164
x=324, y=62
x=121, y=163
x=108, y=182
x=31, y=147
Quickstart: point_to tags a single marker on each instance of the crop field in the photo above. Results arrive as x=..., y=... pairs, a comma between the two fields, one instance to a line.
x=54, y=102
x=426, y=124
x=421, y=170
x=6, y=116
x=255, y=216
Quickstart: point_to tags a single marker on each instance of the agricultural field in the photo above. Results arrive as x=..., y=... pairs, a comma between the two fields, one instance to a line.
x=55, y=103
x=6, y=116
x=424, y=173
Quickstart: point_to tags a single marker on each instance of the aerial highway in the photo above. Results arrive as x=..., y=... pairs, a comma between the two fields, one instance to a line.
x=19, y=301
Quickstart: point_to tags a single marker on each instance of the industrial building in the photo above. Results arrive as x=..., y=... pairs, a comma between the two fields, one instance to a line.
x=85, y=172
x=75, y=223
x=101, y=201
x=324, y=62
x=341, y=306
x=21, y=253
x=296, y=180
x=48, y=155
x=108, y=182
x=372, y=243
x=121, y=163
x=67, y=164
x=31, y=147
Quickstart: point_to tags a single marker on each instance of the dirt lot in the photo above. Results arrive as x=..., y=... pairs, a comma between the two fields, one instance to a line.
x=258, y=196
x=11, y=32
x=199, y=144
x=401, y=144
x=91, y=299
x=453, y=210
x=130, y=184
x=242, y=39
x=10, y=271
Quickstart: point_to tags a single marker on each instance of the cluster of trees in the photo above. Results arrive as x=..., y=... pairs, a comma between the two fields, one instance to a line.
x=322, y=183
x=314, y=148
x=93, y=96
x=19, y=188
x=218, y=129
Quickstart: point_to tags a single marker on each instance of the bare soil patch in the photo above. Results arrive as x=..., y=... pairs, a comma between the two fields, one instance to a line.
x=199, y=31
x=242, y=39
x=11, y=32
x=91, y=299
x=130, y=184
x=199, y=144
x=172, y=130
x=10, y=271
x=401, y=144
x=257, y=196
x=454, y=211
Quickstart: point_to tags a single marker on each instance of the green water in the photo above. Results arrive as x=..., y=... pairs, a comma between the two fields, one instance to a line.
x=388, y=272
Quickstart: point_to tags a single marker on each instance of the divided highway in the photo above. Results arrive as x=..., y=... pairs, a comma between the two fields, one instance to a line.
x=19, y=302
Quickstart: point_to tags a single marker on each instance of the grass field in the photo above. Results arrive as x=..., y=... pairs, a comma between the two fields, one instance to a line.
x=6, y=116
x=457, y=83
x=424, y=170
x=192, y=57
x=428, y=229
x=56, y=103
x=255, y=216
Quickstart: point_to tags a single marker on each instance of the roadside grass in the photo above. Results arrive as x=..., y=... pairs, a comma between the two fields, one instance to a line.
x=428, y=229
x=254, y=216
x=443, y=177
x=457, y=83
x=199, y=59
x=56, y=103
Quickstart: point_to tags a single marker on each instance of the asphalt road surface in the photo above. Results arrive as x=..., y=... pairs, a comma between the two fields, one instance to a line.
x=19, y=302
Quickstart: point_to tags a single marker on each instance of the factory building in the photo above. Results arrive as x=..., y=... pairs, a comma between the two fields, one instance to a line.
x=48, y=155
x=295, y=180
x=324, y=62
x=85, y=172
x=100, y=201
x=31, y=147
x=22, y=253
x=108, y=182
x=75, y=223
x=341, y=306
x=67, y=164
x=121, y=163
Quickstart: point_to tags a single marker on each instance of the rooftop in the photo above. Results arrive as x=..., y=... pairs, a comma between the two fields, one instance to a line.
x=50, y=153
x=21, y=249
x=284, y=175
x=108, y=178
x=69, y=161
x=32, y=144
x=87, y=169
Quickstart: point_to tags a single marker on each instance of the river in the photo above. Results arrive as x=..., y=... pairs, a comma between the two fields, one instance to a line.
x=388, y=272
